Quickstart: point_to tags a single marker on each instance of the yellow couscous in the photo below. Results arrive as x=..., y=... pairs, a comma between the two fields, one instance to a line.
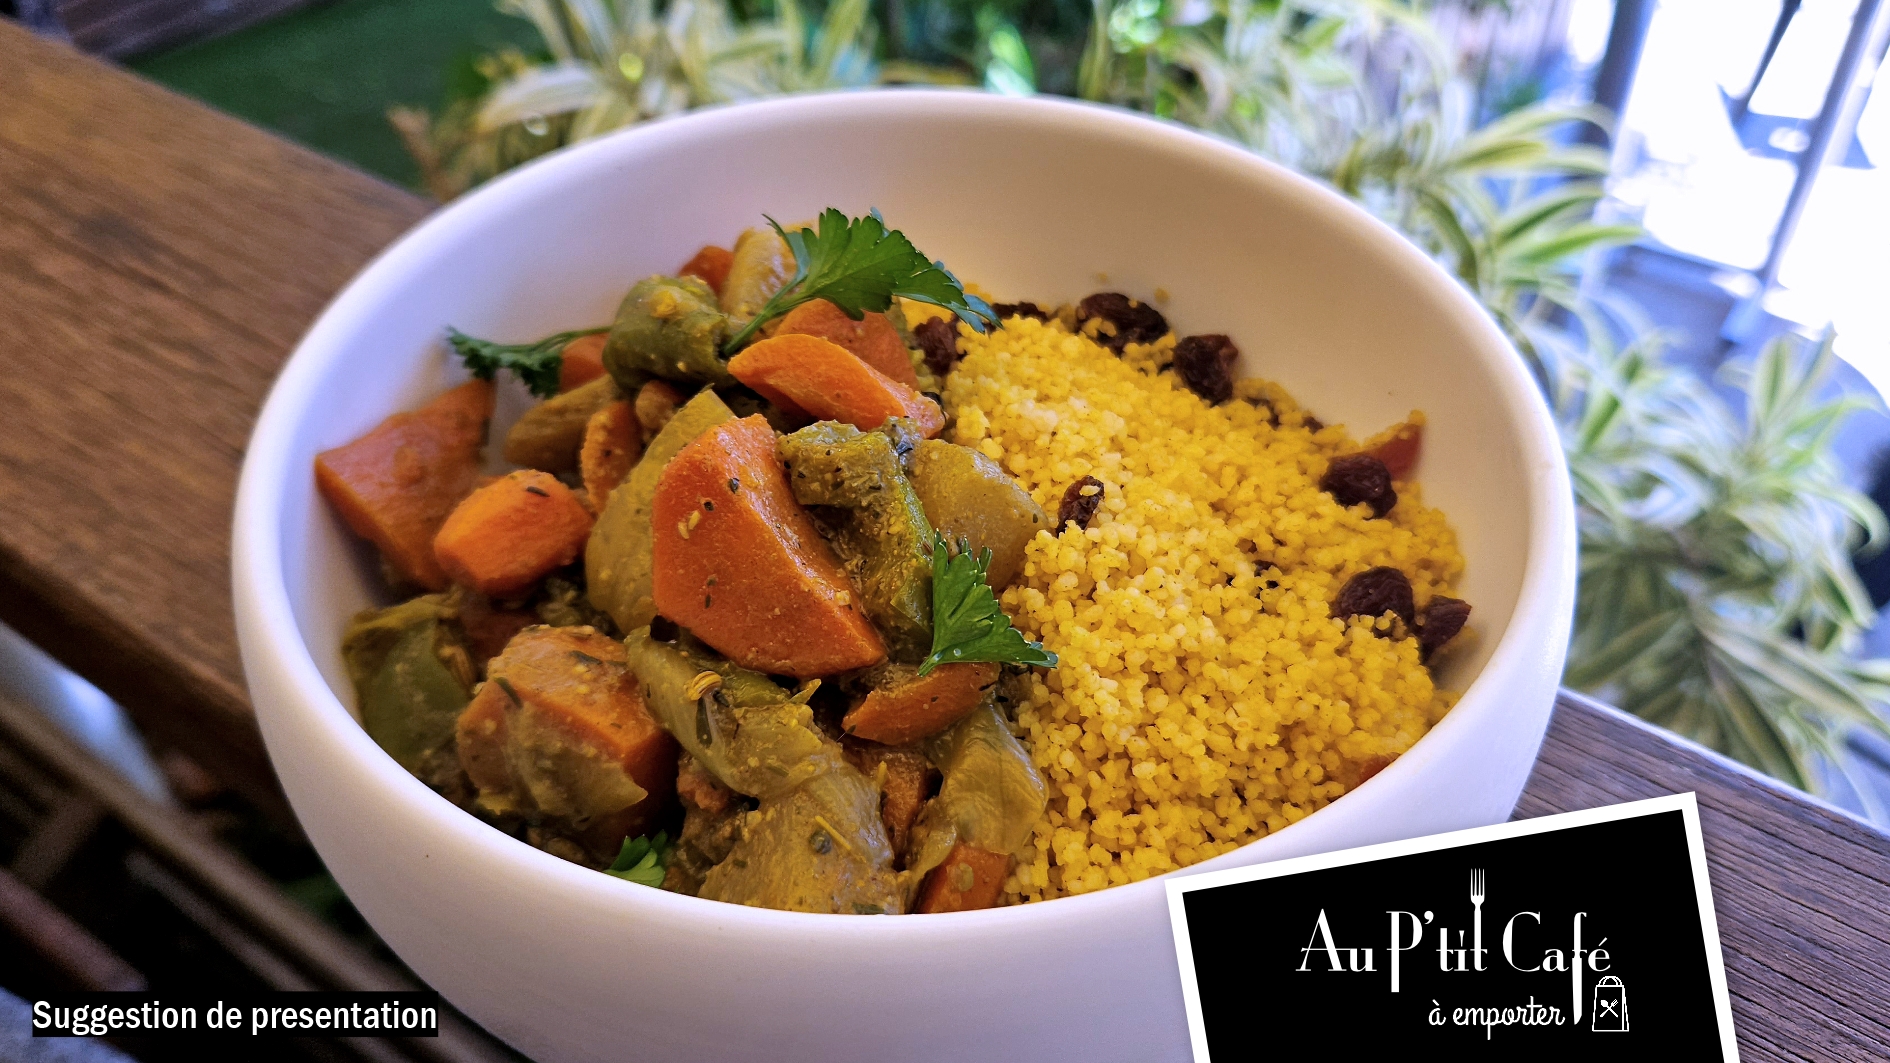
x=1206, y=695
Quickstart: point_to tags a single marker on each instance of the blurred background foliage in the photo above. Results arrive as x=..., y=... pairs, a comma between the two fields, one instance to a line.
x=1718, y=595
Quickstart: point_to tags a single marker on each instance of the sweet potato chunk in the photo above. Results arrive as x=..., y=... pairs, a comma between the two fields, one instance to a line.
x=560, y=733
x=710, y=266
x=872, y=338
x=921, y=706
x=826, y=381
x=581, y=362
x=738, y=562
x=511, y=533
x=969, y=878
x=613, y=441
x=395, y=486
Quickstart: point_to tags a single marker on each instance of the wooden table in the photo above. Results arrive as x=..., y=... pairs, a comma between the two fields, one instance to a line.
x=157, y=263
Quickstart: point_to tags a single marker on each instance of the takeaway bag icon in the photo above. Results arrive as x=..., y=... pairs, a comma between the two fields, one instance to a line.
x=1610, y=1010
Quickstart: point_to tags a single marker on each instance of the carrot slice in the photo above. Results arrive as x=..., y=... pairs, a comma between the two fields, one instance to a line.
x=830, y=383
x=561, y=730
x=395, y=486
x=613, y=441
x=873, y=338
x=969, y=878
x=738, y=562
x=710, y=266
x=581, y=362
x=1398, y=447
x=922, y=706
x=511, y=533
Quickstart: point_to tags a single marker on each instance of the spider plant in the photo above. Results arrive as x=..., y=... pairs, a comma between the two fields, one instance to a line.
x=1717, y=594
x=614, y=63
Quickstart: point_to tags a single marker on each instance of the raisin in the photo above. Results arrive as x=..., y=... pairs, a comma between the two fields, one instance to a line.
x=1314, y=424
x=1375, y=592
x=1078, y=506
x=1006, y=311
x=1357, y=478
x=1206, y=365
x=1443, y=618
x=938, y=339
x=1134, y=321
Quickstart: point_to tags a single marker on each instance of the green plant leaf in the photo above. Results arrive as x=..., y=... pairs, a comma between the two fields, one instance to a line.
x=1571, y=241
x=643, y=860
x=1790, y=668
x=1649, y=636
x=537, y=364
x=1523, y=219
x=538, y=93
x=1760, y=740
x=967, y=624
x=859, y=265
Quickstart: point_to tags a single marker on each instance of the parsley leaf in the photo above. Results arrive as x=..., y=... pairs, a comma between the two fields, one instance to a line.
x=537, y=364
x=859, y=265
x=643, y=859
x=967, y=624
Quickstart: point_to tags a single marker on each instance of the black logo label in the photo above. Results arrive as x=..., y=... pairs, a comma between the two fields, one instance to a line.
x=1566, y=937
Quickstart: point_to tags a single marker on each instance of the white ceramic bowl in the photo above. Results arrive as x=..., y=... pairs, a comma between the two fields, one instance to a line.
x=1034, y=199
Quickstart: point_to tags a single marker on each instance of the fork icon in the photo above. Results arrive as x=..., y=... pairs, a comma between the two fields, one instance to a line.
x=1476, y=898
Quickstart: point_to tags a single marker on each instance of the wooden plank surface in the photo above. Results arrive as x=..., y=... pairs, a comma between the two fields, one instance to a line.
x=161, y=260
x=1801, y=890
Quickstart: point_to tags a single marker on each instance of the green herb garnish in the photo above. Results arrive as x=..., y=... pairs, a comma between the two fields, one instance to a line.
x=537, y=364
x=643, y=859
x=859, y=265
x=967, y=624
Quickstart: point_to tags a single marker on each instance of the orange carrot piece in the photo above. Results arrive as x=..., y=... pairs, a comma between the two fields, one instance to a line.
x=581, y=362
x=395, y=486
x=738, y=562
x=1398, y=447
x=922, y=706
x=564, y=695
x=613, y=441
x=830, y=383
x=873, y=338
x=969, y=878
x=710, y=266
x=509, y=534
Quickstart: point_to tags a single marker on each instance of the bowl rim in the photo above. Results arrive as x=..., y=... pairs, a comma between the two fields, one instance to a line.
x=268, y=631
